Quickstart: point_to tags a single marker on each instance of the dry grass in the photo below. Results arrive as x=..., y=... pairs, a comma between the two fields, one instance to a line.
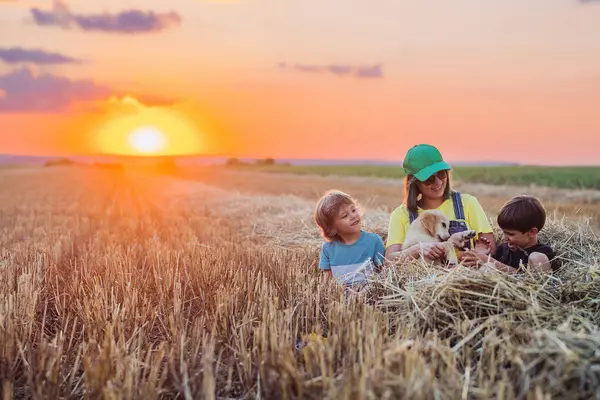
x=386, y=194
x=119, y=286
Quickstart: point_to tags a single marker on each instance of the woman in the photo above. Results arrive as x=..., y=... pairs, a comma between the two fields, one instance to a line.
x=426, y=187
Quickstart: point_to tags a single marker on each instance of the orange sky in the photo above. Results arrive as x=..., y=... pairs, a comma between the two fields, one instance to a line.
x=501, y=81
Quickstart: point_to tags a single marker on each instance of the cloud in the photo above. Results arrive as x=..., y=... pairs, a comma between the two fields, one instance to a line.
x=28, y=91
x=34, y=56
x=361, y=72
x=153, y=100
x=128, y=21
x=59, y=15
x=374, y=71
x=20, y=3
x=125, y=104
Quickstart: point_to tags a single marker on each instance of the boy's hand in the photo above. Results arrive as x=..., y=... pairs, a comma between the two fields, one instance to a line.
x=472, y=258
x=483, y=246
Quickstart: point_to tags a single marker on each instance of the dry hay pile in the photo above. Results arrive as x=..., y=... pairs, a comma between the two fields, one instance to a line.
x=458, y=332
x=469, y=333
x=521, y=333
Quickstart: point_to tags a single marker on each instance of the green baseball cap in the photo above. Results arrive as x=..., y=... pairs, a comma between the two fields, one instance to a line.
x=422, y=161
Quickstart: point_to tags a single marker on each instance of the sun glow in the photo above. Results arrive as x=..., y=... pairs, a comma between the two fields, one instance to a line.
x=147, y=139
x=135, y=129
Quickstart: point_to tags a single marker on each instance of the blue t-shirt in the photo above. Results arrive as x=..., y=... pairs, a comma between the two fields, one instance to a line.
x=351, y=264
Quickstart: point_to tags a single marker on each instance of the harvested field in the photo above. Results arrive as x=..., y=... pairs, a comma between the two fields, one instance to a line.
x=386, y=194
x=126, y=285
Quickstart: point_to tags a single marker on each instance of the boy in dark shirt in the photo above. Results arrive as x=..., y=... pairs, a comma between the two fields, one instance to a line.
x=521, y=219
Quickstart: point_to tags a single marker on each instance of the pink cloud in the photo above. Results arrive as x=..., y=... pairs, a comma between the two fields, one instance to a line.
x=34, y=56
x=357, y=71
x=26, y=90
x=127, y=21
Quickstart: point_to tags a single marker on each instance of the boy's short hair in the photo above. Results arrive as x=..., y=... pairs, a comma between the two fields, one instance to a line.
x=327, y=209
x=522, y=213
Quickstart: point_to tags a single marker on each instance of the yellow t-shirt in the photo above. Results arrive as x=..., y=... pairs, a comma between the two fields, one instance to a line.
x=475, y=218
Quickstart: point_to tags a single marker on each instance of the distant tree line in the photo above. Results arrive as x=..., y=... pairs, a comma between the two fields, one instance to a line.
x=66, y=162
x=236, y=162
x=59, y=162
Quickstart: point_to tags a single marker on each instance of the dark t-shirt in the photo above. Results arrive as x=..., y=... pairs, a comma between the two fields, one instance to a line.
x=512, y=257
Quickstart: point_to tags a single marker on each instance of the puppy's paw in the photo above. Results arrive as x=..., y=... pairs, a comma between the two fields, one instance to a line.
x=470, y=234
x=460, y=239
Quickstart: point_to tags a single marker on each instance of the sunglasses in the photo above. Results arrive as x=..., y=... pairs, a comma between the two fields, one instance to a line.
x=441, y=175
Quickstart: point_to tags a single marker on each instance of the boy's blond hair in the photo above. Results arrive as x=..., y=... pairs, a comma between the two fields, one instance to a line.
x=328, y=208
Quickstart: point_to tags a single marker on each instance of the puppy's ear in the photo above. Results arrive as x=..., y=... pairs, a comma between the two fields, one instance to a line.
x=428, y=221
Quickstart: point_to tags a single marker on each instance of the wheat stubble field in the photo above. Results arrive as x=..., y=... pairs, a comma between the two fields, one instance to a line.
x=202, y=284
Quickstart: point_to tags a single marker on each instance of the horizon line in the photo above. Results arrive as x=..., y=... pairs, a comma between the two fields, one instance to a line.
x=303, y=160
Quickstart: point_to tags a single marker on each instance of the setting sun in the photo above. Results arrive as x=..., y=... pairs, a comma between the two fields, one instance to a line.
x=147, y=139
x=134, y=129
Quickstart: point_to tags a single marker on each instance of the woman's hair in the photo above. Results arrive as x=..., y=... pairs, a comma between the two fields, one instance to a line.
x=328, y=208
x=412, y=192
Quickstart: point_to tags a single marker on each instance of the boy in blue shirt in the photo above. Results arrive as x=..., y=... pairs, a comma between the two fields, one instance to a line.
x=349, y=253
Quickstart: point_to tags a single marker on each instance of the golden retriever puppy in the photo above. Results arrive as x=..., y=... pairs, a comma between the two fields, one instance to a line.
x=433, y=226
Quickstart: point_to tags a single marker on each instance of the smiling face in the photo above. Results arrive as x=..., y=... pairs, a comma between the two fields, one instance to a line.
x=338, y=215
x=519, y=240
x=347, y=221
x=435, y=185
x=521, y=218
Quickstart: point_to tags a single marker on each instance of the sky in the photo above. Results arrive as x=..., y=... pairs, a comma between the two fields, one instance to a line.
x=493, y=80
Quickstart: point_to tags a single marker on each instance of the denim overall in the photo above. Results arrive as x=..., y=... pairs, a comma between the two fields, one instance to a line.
x=458, y=225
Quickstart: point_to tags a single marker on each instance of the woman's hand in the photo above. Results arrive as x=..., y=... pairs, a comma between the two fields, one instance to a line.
x=431, y=251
